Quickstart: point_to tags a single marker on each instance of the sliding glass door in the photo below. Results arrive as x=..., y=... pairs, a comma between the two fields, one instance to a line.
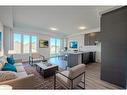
x=55, y=45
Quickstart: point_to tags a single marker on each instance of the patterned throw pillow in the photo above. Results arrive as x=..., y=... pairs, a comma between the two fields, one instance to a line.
x=1, y=66
x=2, y=61
x=7, y=75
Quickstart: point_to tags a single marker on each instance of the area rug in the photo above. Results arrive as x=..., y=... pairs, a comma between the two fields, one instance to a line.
x=41, y=82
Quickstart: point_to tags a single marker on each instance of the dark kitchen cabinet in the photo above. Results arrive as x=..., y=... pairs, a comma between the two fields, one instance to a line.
x=90, y=38
x=88, y=57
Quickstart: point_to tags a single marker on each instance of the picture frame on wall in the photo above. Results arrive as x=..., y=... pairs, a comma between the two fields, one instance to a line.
x=43, y=43
x=74, y=44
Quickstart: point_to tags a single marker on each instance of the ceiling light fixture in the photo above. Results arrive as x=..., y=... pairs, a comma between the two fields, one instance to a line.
x=53, y=29
x=82, y=27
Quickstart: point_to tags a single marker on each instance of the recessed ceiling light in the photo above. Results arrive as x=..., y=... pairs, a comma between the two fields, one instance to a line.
x=53, y=29
x=82, y=27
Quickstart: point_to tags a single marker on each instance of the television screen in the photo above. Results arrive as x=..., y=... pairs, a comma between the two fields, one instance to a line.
x=73, y=44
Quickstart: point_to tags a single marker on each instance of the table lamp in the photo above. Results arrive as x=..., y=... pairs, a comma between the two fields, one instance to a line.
x=1, y=53
x=5, y=87
x=11, y=52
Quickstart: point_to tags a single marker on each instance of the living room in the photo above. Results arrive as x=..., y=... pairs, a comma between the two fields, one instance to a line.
x=46, y=44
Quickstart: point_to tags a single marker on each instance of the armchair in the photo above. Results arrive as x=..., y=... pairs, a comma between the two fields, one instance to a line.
x=36, y=57
x=70, y=79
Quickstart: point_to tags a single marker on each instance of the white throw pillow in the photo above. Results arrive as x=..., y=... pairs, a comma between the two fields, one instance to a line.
x=1, y=66
x=7, y=75
x=3, y=60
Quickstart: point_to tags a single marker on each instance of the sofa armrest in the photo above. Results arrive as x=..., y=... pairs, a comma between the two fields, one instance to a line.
x=18, y=60
x=28, y=82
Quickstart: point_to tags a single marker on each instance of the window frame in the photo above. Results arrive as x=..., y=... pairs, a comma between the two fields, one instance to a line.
x=22, y=42
x=31, y=44
x=14, y=42
x=56, y=45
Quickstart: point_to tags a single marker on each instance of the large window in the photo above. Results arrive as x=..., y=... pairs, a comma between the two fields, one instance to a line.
x=24, y=43
x=54, y=46
x=34, y=44
x=17, y=42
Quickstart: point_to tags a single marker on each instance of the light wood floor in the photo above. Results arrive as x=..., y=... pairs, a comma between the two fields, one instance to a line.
x=93, y=78
x=92, y=75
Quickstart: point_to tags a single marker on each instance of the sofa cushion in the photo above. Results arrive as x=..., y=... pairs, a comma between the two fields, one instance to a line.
x=62, y=78
x=7, y=75
x=18, y=64
x=20, y=68
x=21, y=74
x=9, y=67
x=10, y=60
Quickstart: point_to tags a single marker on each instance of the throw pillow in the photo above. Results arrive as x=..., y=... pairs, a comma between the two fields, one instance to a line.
x=1, y=66
x=3, y=60
x=11, y=60
x=7, y=75
x=9, y=67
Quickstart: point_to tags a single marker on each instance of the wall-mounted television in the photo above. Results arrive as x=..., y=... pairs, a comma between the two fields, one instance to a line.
x=73, y=44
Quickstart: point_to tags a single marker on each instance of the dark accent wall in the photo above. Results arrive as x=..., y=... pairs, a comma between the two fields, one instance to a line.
x=114, y=47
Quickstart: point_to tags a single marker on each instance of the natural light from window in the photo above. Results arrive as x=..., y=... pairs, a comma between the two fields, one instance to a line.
x=26, y=44
x=17, y=42
x=23, y=43
x=55, y=44
x=34, y=44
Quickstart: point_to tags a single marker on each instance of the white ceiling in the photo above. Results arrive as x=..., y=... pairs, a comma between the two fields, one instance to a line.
x=66, y=18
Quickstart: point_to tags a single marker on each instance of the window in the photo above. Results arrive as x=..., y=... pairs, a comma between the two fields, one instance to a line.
x=17, y=42
x=26, y=44
x=34, y=44
x=55, y=46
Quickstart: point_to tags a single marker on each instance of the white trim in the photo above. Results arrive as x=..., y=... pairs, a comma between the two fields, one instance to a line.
x=108, y=10
x=22, y=34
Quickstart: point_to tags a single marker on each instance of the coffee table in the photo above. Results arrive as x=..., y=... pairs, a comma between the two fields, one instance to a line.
x=46, y=69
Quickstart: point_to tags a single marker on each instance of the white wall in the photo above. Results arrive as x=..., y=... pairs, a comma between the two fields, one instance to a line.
x=44, y=51
x=8, y=42
x=1, y=26
x=6, y=16
x=80, y=39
